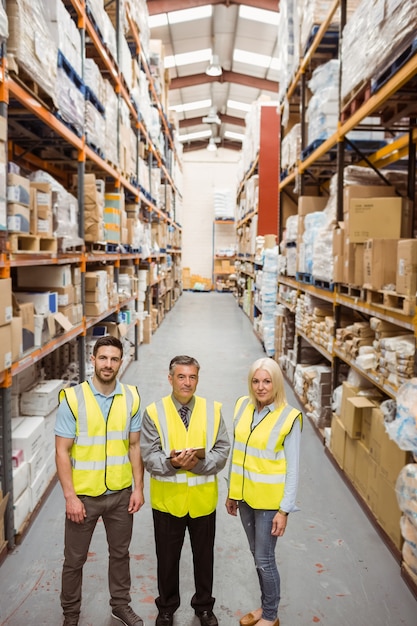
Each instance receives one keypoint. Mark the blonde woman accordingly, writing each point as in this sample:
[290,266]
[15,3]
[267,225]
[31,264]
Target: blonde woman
[263,476]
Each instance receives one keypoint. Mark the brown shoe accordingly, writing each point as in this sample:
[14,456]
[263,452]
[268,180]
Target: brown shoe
[249,620]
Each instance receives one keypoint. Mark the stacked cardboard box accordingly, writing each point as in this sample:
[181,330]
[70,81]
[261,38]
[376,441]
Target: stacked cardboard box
[370,459]
[6,314]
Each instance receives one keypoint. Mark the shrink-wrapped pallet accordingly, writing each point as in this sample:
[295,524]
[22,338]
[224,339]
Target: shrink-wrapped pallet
[112,107]
[70,99]
[373,38]
[30,45]
[4,24]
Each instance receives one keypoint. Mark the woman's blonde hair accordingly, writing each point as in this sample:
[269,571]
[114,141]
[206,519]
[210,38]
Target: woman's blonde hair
[274,370]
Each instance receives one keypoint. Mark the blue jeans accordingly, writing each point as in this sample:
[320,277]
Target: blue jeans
[258,524]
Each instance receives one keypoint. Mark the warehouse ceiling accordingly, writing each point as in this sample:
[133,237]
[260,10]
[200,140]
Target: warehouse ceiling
[244,37]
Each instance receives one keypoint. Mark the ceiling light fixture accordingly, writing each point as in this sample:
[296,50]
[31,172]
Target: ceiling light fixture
[212,117]
[214,68]
[211,146]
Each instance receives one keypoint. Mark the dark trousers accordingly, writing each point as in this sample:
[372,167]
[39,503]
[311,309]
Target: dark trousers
[169,539]
[113,509]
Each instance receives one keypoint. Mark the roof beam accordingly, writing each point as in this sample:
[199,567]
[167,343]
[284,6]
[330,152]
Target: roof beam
[227,77]
[156,7]
[201,145]
[225,119]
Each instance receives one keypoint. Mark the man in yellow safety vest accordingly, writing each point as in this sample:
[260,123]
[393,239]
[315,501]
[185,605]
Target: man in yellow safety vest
[184,445]
[97,434]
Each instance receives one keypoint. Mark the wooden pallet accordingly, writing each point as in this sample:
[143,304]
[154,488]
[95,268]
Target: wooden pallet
[26,80]
[355,99]
[352,291]
[32,244]
[392,301]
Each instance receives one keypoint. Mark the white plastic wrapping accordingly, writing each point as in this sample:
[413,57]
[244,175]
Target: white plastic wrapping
[403,429]
[70,101]
[406,489]
[289,48]
[30,44]
[4,24]
[373,37]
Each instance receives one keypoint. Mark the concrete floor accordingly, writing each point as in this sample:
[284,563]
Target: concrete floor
[335,569]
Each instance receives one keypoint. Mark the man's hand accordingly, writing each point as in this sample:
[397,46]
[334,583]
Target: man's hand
[186,459]
[137,500]
[75,510]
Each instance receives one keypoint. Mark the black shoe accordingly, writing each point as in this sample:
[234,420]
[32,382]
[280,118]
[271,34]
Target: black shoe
[164,619]
[207,618]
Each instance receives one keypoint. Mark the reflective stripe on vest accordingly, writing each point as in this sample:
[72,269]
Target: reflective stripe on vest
[184,492]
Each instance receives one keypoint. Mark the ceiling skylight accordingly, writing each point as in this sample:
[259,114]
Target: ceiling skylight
[239,106]
[229,134]
[191,106]
[186,58]
[202,134]
[259,15]
[176,17]
[253,58]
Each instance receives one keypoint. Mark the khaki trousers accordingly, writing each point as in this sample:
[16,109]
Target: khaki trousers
[113,509]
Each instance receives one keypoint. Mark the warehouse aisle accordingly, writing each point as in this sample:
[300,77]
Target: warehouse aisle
[335,569]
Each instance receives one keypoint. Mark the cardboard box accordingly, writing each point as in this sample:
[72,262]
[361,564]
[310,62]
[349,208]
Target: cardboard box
[45,276]
[147,330]
[379,263]
[16,329]
[18,189]
[3,506]
[20,479]
[353,263]
[351,192]
[37,488]
[348,391]
[377,434]
[350,458]
[366,429]
[41,399]
[406,275]
[37,462]
[18,218]
[352,415]
[96,280]
[92,309]
[387,511]
[42,199]
[385,452]
[29,436]
[362,464]
[311,204]
[5,347]
[337,440]
[21,509]
[372,489]
[373,218]
[6,310]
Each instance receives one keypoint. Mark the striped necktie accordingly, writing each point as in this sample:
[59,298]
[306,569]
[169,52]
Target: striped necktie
[183,411]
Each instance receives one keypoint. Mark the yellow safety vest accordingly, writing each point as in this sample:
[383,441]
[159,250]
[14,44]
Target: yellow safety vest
[258,467]
[99,454]
[184,492]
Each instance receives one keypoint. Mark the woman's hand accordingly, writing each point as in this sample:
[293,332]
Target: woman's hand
[279,524]
[231,506]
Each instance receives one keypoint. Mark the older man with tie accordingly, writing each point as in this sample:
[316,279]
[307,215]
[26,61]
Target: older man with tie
[184,446]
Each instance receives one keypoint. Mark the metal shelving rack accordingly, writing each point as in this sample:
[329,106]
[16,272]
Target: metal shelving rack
[403,146]
[12,90]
